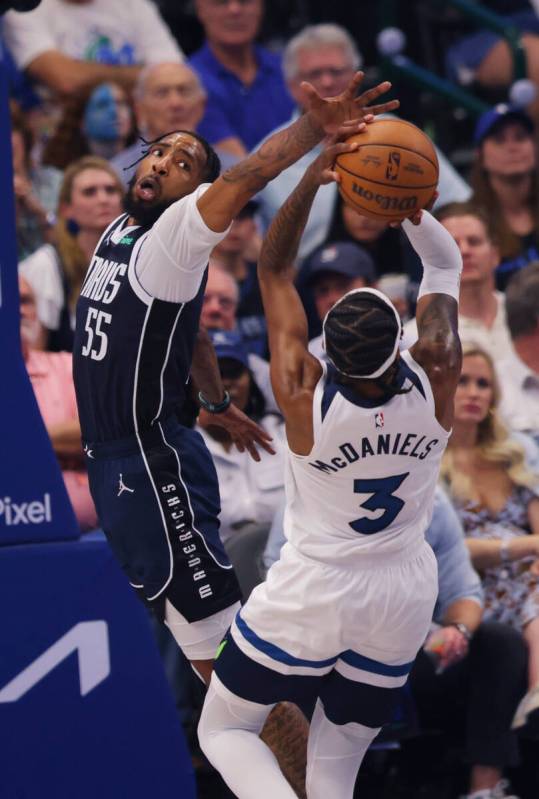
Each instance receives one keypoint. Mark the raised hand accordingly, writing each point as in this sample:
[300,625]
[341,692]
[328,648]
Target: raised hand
[331,112]
[322,171]
[244,433]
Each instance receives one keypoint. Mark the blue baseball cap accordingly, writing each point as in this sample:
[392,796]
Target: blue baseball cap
[229,344]
[344,258]
[494,117]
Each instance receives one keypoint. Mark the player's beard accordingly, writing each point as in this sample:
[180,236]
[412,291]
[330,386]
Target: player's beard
[146,215]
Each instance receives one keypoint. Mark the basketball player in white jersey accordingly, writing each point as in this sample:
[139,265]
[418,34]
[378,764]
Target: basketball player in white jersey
[344,611]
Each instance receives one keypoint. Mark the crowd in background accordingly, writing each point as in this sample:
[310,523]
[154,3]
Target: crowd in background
[92,83]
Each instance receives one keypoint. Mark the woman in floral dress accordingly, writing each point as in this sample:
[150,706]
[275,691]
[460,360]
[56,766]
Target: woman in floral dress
[496,495]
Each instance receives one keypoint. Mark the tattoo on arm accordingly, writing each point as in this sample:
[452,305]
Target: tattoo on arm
[275,154]
[281,242]
[438,332]
[439,320]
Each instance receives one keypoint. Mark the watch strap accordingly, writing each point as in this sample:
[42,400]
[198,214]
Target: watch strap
[215,407]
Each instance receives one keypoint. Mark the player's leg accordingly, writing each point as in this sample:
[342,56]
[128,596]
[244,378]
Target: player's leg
[198,636]
[353,706]
[246,685]
[229,735]
[334,754]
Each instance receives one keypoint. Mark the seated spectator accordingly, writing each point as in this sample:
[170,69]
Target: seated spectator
[482,317]
[505,182]
[68,44]
[35,188]
[90,198]
[333,271]
[52,380]
[168,96]
[219,306]
[520,397]
[464,663]
[247,95]
[496,496]
[250,492]
[237,253]
[327,56]
[97,121]
[485,58]
[388,247]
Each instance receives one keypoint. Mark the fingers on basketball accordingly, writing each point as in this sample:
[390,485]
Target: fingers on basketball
[392,174]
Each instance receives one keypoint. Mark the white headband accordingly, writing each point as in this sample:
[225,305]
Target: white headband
[381,369]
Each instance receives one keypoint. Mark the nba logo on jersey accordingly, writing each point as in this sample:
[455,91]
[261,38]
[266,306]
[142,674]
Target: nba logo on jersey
[379,420]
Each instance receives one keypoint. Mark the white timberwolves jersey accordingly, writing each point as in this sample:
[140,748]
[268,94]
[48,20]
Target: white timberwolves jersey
[368,483]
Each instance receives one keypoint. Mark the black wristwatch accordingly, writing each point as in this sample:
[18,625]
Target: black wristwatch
[463,630]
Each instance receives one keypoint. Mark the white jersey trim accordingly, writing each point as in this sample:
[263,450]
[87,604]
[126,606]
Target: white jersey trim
[134,282]
[165,362]
[210,553]
[141,447]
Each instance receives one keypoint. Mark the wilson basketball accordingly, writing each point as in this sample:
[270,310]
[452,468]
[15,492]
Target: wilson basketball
[393,173]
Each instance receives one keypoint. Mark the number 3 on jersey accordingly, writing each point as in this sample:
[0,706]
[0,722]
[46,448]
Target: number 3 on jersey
[94,320]
[382,498]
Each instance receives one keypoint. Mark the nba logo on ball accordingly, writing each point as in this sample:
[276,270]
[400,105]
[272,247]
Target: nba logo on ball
[379,420]
[393,165]
[392,173]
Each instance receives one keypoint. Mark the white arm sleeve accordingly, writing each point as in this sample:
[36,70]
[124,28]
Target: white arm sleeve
[440,256]
[172,259]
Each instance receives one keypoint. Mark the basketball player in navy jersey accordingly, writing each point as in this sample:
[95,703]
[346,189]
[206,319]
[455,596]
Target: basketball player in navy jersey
[344,611]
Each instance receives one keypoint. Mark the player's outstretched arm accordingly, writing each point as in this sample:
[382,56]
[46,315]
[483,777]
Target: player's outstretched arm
[245,433]
[294,371]
[227,196]
[438,348]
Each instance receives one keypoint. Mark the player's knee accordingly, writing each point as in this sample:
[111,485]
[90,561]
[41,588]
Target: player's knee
[209,730]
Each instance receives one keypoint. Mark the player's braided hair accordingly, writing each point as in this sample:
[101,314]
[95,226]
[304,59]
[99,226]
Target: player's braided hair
[360,333]
[213,162]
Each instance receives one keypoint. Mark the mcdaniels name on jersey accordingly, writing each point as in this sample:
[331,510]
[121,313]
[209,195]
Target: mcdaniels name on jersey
[410,445]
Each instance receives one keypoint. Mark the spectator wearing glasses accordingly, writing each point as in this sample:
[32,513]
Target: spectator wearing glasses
[326,56]
[247,95]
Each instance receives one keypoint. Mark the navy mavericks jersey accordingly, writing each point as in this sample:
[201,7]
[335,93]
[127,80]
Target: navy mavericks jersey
[132,352]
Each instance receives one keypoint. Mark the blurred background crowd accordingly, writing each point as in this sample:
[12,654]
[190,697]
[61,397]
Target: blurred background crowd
[93,81]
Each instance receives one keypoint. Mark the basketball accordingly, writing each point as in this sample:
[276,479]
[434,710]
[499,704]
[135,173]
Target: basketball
[392,174]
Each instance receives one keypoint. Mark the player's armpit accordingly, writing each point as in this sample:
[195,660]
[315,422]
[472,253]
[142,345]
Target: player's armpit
[438,350]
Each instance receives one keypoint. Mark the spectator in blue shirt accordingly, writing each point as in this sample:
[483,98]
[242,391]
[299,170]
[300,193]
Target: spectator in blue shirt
[247,95]
[326,56]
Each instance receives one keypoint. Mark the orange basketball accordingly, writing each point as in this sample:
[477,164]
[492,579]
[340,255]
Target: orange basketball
[393,173]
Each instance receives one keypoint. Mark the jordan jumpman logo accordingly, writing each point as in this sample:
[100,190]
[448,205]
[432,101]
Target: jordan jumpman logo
[122,487]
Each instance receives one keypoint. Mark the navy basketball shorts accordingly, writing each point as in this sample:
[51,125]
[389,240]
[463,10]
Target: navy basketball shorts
[157,498]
